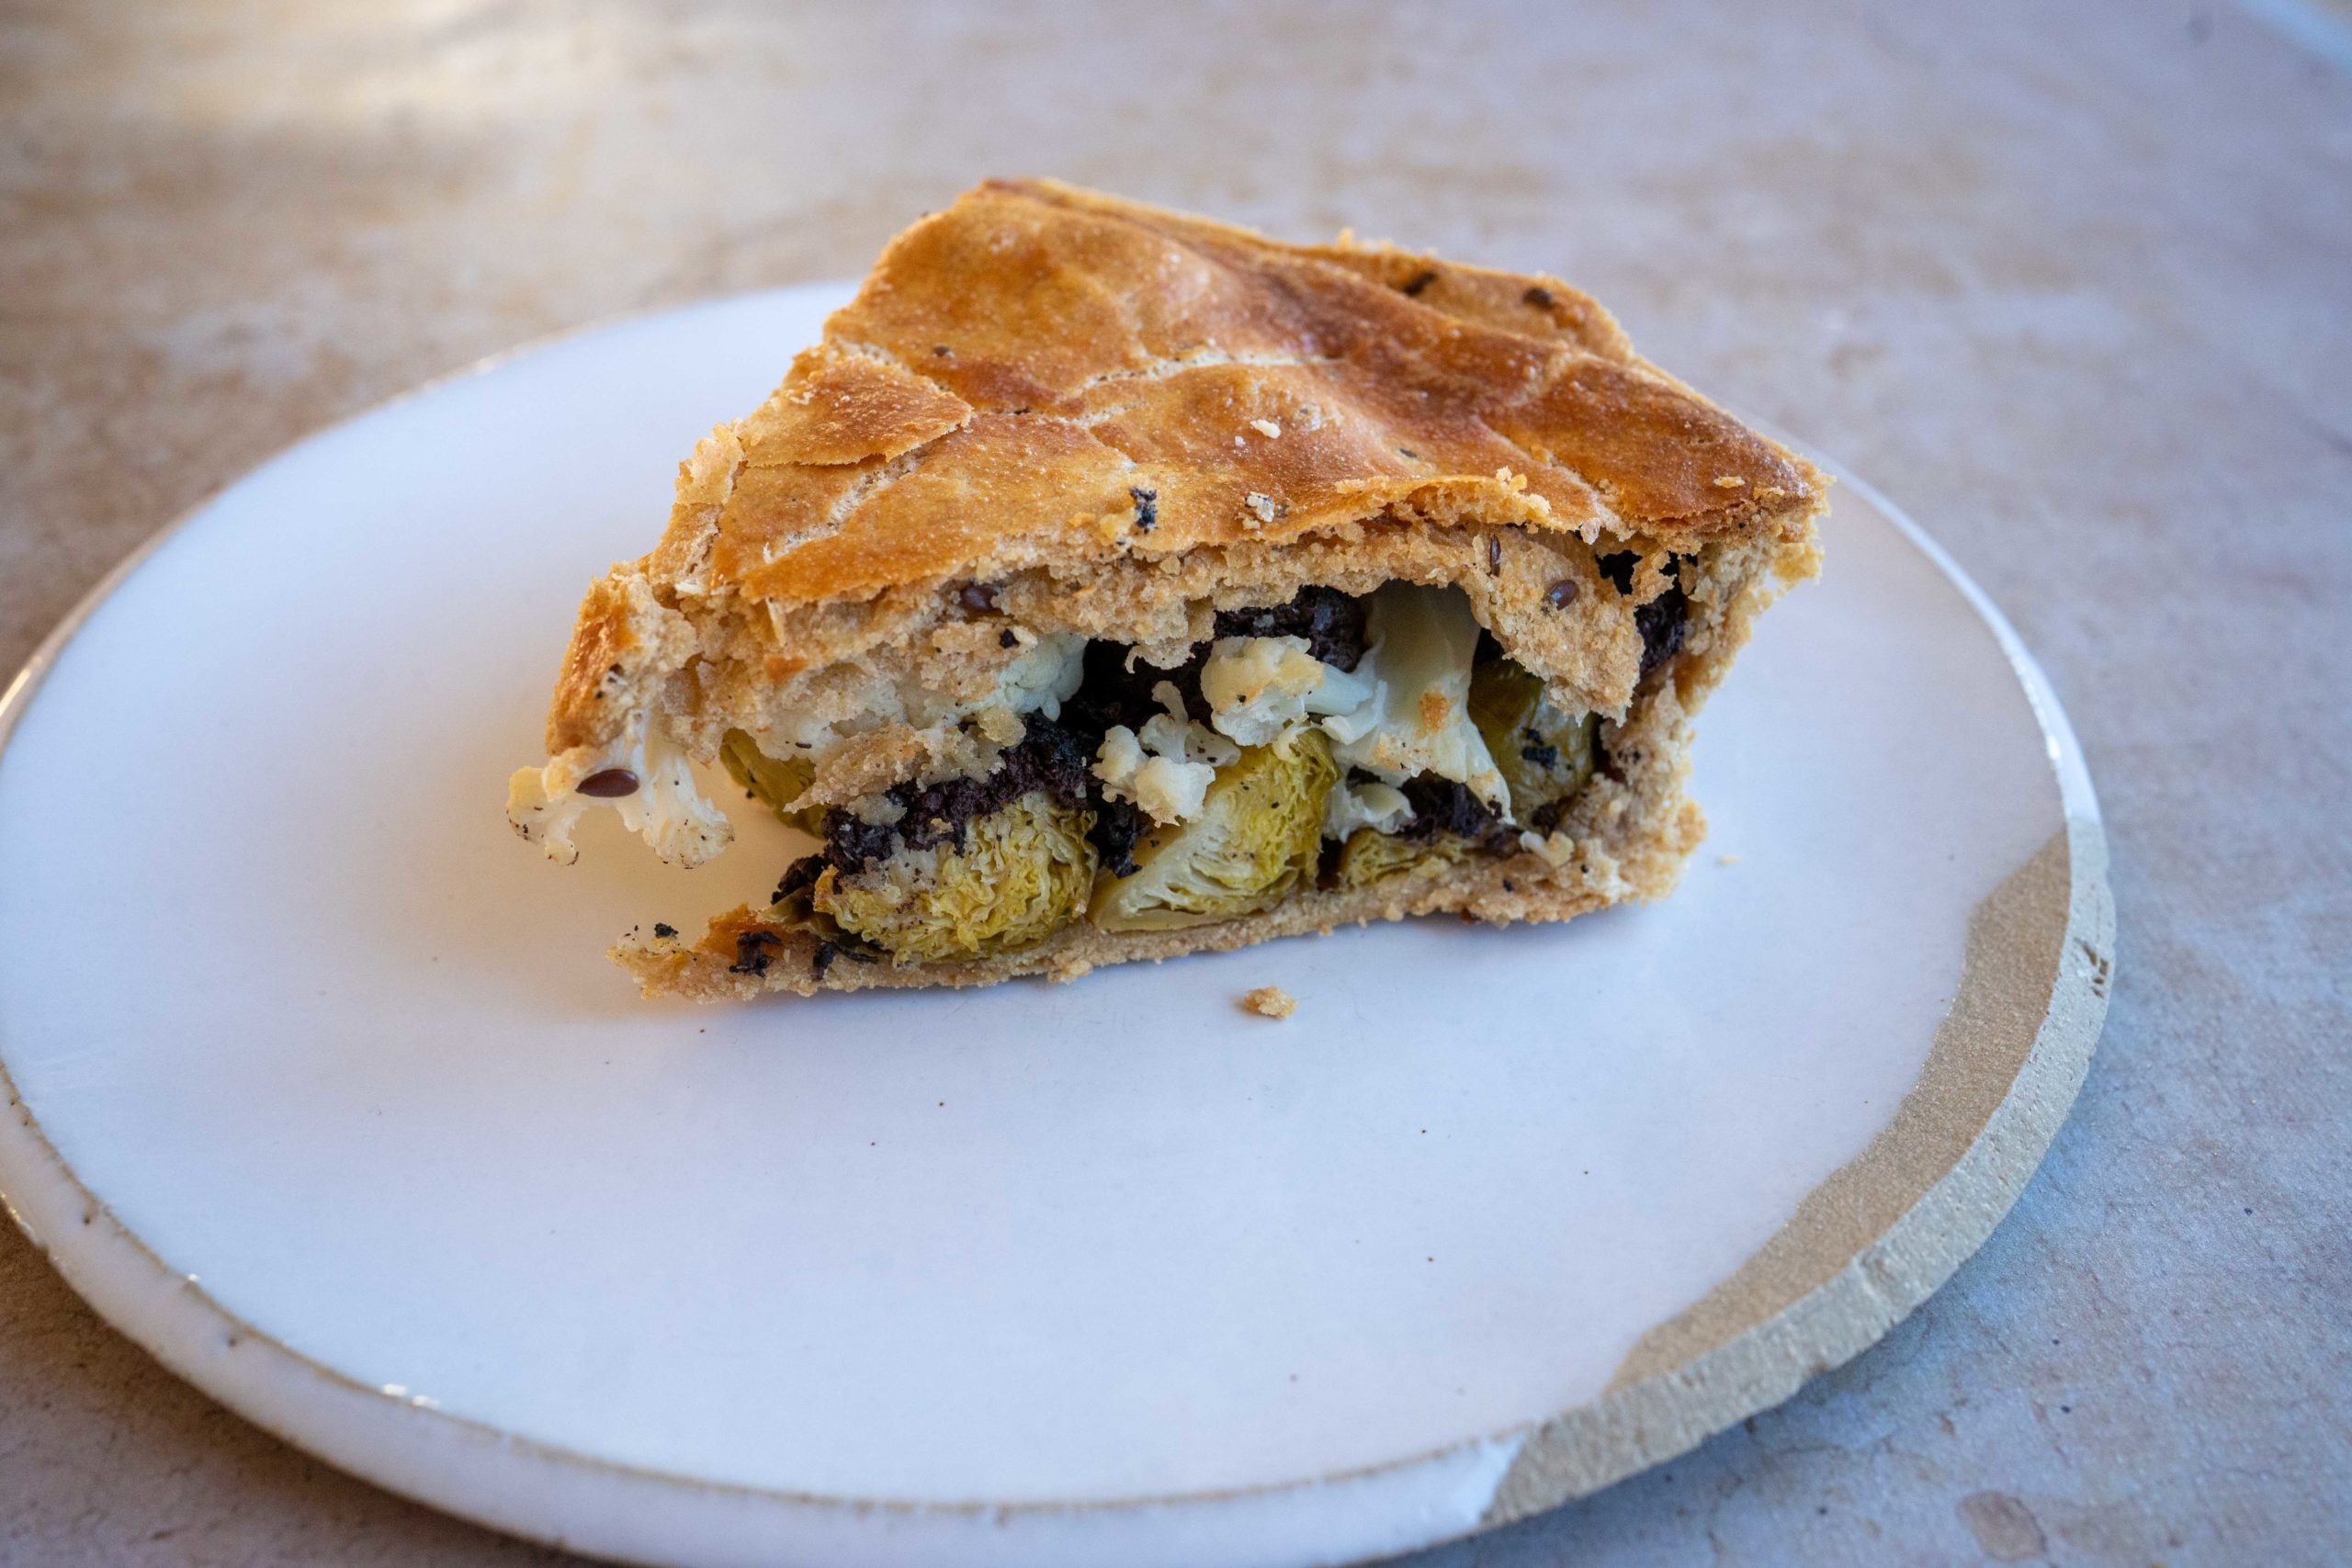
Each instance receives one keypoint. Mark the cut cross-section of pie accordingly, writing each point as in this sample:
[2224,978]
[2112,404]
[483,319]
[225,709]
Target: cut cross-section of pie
[1110,583]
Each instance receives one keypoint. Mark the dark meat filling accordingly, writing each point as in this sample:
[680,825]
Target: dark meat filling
[1444,808]
[1546,819]
[1118,826]
[754,951]
[801,874]
[1662,622]
[1110,694]
[1332,624]
[1052,757]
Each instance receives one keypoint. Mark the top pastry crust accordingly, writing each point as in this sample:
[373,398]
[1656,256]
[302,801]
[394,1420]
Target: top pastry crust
[1120,413]
[1036,352]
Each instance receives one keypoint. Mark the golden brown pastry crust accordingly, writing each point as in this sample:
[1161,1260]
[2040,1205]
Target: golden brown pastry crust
[1020,364]
[1053,412]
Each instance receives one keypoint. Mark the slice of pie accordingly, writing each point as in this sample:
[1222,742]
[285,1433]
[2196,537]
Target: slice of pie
[1112,584]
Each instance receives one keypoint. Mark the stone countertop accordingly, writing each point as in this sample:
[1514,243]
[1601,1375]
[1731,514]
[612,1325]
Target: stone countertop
[2071,284]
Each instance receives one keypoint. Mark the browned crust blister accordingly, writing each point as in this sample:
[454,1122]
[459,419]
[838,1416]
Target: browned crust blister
[1119,418]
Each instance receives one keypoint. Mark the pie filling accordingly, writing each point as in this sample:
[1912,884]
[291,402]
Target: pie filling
[1334,742]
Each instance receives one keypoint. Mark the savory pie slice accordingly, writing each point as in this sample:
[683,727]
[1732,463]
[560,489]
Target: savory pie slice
[1110,584]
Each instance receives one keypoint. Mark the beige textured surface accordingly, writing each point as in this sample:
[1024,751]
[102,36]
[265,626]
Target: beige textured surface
[2068,282]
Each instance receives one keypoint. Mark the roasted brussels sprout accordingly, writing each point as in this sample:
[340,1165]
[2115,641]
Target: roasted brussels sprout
[1021,872]
[1544,755]
[773,782]
[1371,855]
[1258,832]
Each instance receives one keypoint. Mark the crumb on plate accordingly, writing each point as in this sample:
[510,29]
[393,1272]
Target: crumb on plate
[1271,1001]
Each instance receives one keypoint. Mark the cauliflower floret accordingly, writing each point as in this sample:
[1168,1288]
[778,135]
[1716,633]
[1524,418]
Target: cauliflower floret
[1048,675]
[1376,806]
[1167,768]
[543,817]
[662,805]
[1168,791]
[1257,686]
[1415,716]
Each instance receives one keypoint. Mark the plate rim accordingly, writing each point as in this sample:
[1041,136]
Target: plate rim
[109,1266]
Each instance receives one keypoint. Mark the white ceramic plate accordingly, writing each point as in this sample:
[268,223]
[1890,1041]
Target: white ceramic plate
[326,1094]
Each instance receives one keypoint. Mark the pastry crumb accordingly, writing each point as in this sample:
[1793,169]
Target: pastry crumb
[1266,427]
[1271,1001]
[1726,859]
